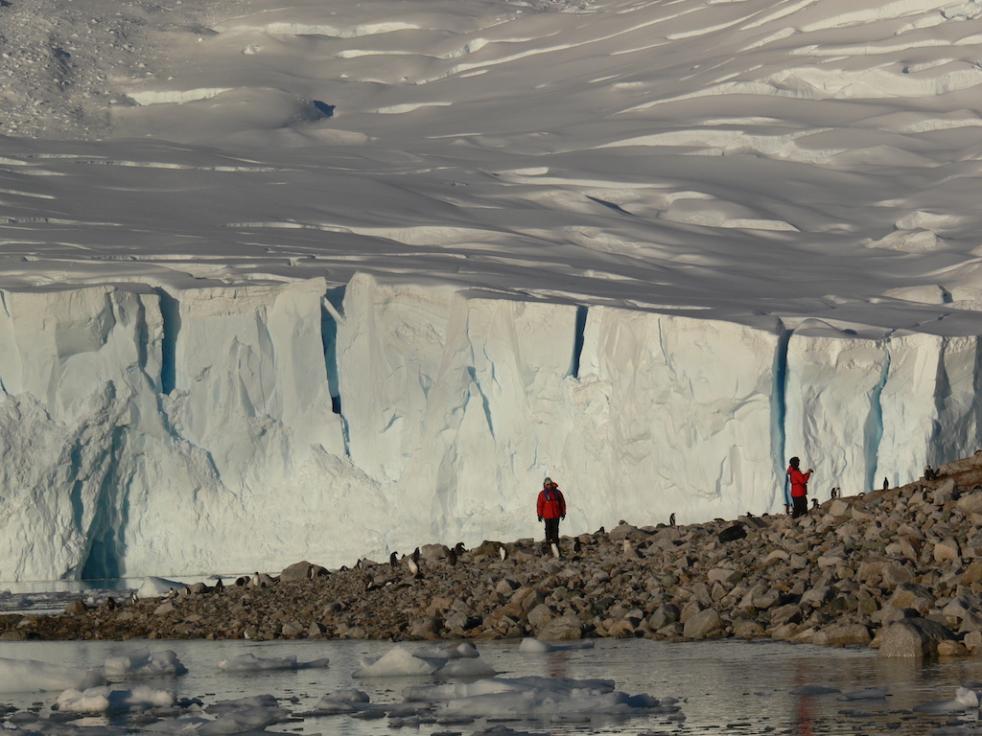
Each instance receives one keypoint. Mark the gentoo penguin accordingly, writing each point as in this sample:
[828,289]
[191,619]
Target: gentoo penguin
[413,567]
[241,581]
[886,484]
[814,503]
[452,557]
[576,545]
[415,555]
[255,579]
[219,586]
[111,603]
[749,515]
[554,548]
[502,553]
[133,597]
[394,559]
[459,548]
[671,519]
[600,532]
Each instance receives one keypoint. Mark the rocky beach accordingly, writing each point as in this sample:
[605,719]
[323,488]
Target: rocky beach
[897,569]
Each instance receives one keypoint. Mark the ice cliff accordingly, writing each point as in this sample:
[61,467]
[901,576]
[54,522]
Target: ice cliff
[231,428]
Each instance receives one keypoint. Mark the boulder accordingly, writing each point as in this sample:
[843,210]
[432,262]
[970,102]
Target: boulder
[971,503]
[564,628]
[539,616]
[703,625]
[946,551]
[434,552]
[913,638]
[723,575]
[842,635]
[838,509]
[732,533]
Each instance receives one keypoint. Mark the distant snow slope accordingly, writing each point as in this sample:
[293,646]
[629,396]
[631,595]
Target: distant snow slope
[349,263]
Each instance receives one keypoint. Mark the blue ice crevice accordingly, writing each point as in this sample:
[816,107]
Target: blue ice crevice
[779,405]
[873,429]
[332,310]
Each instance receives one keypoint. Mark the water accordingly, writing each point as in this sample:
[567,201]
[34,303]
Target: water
[728,687]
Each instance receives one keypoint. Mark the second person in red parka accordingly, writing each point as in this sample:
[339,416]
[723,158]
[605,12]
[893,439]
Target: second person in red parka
[551,507]
[799,487]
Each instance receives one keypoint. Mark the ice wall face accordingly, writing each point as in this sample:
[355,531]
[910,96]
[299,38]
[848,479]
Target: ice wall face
[195,431]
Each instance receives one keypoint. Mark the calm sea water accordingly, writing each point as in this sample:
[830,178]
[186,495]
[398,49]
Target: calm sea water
[728,687]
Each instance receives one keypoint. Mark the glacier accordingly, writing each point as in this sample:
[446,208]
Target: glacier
[449,408]
[650,248]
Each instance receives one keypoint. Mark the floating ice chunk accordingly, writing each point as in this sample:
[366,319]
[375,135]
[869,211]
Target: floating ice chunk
[466,668]
[26,675]
[109,700]
[156,587]
[252,663]
[462,660]
[349,695]
[342,701]
[465,650]
[534,646]
[243,714]
[867,693]
[815,690]
[144,664]
[965,699]
[538,697]
[399,662]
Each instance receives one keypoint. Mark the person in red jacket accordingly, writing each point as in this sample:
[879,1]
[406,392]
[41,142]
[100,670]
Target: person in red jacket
[799,487]
[551,507]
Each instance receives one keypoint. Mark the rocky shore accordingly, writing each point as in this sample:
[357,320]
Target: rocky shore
[897,569]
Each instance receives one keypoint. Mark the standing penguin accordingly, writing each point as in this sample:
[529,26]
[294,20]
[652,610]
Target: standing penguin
[502,553]
[814,503]
[394,559]
[452,557]
[415,555]
[886,484]
[671,519]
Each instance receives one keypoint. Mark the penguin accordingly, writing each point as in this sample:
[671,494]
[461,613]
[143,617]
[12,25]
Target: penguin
[459,548]
[502,553]
[370,586]
[600,532]
[814,503]
[886,484]
[413,567]
[576,545]
[394,559]
[671,519]
[555,550]
[255,579]
[749,515]
[133,597]
[415,555]
[111,603]
[219,586]
[452,557]
[343,568]
[241,581]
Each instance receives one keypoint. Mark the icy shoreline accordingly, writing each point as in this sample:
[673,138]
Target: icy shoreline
[899,570]
[142,428]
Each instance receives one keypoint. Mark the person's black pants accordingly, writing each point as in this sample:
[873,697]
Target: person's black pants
[800,504]
[552,531]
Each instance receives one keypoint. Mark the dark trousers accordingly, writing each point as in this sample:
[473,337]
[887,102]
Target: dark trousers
[800,504]
[552,531]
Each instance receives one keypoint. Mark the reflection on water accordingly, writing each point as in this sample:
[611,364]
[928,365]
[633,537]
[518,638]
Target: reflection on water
[727,687]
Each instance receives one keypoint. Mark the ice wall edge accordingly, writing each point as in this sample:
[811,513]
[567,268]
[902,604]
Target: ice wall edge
[225,429]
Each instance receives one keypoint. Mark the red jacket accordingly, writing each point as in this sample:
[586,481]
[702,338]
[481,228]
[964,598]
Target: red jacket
[799,482]
[551,504]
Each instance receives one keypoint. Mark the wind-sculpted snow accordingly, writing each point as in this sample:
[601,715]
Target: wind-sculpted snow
[319,279]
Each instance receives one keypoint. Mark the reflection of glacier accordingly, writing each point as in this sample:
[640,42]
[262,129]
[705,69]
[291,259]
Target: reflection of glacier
[243,427]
